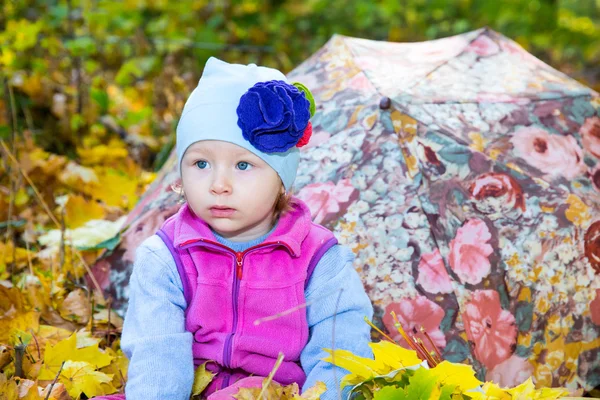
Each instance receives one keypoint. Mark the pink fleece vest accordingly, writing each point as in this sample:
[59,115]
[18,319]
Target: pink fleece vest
[227,291]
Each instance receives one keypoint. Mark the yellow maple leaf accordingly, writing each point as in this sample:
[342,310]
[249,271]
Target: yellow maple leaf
[495,392]
[115,188]
[79,210]
[390,356]
[117,368]
[202,379]
[461,375]
[81,377]
[8,388]
[523,391]
[360,368]
[66,350]
[20,321]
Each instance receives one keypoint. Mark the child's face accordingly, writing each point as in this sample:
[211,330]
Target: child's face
[230,188]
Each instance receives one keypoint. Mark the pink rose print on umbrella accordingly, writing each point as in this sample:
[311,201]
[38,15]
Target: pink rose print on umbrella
[492,329]
[554,155]
[433,276]
[324,199]
[511,372]
[595,308]
[590,135]
[469,251]
[496,192]
[412,314]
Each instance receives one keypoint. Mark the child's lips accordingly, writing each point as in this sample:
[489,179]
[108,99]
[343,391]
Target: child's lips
[221,212]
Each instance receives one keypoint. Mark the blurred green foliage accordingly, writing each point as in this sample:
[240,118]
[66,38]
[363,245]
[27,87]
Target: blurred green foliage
[84,50]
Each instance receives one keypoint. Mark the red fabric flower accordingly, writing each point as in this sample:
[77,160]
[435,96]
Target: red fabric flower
[306,137]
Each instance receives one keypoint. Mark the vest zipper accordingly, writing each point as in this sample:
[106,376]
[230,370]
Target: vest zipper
[237,277]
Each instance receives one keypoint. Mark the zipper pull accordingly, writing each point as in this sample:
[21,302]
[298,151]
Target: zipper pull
[239,257]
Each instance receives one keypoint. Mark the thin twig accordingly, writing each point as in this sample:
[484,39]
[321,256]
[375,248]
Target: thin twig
[61,248]
[372,325]
[54,382]
[11,114]
[291,310]
[269,378]
[28,255]
[50,214]
[37,345]
[30,182]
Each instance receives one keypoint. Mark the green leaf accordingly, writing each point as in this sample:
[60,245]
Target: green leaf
[308,95]
[81,46]
[101,98]
[422,385]
[447,391]
[390,393]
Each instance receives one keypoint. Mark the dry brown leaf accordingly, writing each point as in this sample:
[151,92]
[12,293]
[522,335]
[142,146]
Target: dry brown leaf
[5,356]
[76,307]
[58,392]
[51,317]
[101,318]
[313,393]
[28,390]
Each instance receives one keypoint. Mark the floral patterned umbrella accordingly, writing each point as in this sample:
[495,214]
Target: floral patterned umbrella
[463,172]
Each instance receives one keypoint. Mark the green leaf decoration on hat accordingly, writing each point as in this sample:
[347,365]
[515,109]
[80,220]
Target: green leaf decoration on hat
[308,95]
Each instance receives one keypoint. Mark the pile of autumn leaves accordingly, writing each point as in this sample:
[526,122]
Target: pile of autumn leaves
[398,374]
[41,361]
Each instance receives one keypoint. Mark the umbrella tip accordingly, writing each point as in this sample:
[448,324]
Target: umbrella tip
[385,103]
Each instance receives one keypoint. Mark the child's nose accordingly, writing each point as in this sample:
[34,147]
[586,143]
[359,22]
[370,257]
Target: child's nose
[220,185]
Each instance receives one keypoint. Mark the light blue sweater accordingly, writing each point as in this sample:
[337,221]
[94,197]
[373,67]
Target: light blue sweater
[160,349]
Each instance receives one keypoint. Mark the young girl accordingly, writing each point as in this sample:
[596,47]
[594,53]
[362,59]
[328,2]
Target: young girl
[241,249]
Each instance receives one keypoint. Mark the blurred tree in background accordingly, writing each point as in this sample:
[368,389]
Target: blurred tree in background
[80,59]
[90,90]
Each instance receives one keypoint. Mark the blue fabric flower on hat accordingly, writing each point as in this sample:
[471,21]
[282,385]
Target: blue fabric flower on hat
[273,116]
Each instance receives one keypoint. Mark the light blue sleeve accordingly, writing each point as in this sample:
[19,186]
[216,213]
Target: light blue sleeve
[154,337]
[335,274]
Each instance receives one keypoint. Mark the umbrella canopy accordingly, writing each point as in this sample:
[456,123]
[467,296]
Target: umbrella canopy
[463,173]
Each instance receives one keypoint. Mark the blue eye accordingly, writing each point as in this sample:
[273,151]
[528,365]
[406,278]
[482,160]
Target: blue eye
[201,164]
[243,165]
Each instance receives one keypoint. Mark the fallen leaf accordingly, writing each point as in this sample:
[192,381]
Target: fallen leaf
[5,356]
[81,377]
[202,378]
[28,390]
[76,307]
[79,210]
[66,350]
[58,392]
[313,393]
